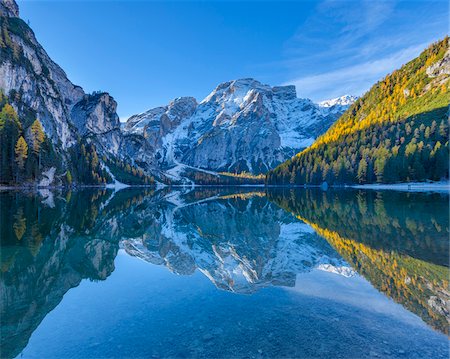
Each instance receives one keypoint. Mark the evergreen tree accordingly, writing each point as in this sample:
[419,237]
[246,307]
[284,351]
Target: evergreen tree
[10,129]
[37,136]
[69,177]
[362,171]
[37,139]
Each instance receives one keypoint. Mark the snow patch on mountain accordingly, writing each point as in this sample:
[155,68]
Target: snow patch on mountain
[345,100]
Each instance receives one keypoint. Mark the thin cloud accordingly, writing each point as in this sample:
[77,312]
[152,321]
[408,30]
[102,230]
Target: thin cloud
[346,46]
[355,79]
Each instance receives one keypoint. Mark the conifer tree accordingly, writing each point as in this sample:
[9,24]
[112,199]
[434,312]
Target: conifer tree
[362,171]
[9,132]
[21,151]
[37,138]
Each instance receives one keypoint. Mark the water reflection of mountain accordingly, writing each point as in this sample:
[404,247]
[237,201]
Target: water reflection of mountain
[46,250]
[48,245]
[238,239]
[240,242]
[398,241]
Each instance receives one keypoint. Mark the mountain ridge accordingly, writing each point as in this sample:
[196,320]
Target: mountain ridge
[259,124]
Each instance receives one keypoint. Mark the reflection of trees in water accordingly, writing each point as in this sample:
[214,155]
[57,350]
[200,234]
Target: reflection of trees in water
[48,250]
[398,241]
[414,224]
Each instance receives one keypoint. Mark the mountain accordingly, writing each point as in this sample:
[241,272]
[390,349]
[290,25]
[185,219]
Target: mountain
[53,133]
[396,132]
[79,133]
[342,103]
[241,126]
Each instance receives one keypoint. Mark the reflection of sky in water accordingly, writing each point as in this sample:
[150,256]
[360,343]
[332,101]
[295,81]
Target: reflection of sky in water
[143,310]
[354,291]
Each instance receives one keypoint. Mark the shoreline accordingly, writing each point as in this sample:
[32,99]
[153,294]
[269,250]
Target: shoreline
[404,186]
[407,186]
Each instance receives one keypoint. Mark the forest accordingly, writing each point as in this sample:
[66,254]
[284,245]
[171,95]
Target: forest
[206,178]
[397,132]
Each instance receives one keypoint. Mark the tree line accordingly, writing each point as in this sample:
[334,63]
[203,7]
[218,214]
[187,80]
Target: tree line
[414,150]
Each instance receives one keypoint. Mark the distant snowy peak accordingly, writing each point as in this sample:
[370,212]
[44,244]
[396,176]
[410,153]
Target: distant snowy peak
[345,100]
[236,89]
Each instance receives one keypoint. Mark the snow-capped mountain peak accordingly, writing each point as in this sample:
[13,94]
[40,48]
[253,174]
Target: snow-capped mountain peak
[242,125]
[345,100]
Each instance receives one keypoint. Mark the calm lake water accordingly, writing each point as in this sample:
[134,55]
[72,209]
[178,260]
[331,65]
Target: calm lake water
[224,273]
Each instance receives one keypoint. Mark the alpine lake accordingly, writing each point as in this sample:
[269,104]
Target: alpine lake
[224,272]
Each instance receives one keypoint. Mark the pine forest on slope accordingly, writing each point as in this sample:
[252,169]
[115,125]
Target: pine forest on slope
[396,132]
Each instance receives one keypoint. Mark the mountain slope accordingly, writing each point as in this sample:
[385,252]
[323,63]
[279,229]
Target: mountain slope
[38,89]
[241,126]
[398,131]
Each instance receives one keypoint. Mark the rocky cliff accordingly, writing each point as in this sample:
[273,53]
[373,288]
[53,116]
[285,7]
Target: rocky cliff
[39,89]
[9,8]
[242,125]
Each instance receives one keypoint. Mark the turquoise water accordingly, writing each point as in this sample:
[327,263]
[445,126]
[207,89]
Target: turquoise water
[224,273]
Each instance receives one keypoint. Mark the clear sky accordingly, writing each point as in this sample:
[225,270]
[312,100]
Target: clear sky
[145,53]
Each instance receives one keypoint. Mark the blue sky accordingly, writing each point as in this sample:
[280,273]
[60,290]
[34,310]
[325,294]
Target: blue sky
[145,53]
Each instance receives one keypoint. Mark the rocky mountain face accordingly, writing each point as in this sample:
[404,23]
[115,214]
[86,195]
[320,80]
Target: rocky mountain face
[39,89]
[9,8]
[42,90]
[242,125]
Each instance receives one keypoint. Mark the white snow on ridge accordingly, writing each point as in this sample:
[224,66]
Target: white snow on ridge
[345,271]
[345,100]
